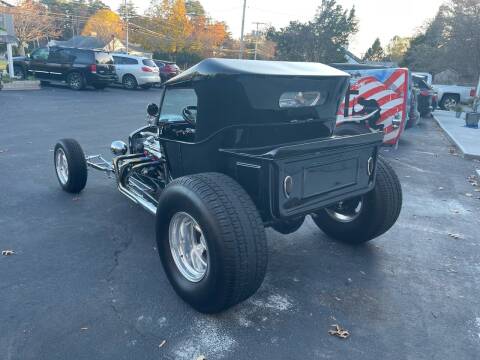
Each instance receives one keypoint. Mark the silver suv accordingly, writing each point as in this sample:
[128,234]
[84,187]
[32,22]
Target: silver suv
[134,71]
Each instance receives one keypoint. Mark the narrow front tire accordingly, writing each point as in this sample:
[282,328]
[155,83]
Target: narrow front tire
[70,165]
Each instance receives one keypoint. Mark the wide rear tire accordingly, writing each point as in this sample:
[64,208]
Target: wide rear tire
[70,165]
[229,233]
[377,212]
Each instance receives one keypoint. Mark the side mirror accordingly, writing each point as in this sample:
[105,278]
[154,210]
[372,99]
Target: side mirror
[152,109]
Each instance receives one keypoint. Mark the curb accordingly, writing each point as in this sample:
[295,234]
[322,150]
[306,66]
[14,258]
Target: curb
[464,154]
[22,85]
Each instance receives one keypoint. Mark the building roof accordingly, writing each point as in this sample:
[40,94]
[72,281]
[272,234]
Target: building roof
[4,3]
[215,66]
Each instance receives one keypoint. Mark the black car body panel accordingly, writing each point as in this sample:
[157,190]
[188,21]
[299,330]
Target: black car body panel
[56,63]
[244,130]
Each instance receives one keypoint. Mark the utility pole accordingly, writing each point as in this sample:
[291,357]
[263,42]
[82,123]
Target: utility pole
[126,17]
[240,56]
[256,38]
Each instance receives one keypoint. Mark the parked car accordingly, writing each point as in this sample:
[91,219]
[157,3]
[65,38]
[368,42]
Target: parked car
[236,146]
[134,71]
[377,99]
[168,69]
[76,67]
[451,95]
[426,98]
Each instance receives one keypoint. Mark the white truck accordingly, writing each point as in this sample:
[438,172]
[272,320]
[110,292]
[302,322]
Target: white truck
[451,95]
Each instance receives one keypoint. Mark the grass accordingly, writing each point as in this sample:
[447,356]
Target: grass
[3,65]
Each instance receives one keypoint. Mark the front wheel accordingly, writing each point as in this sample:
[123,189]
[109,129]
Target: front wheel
[366,217]
[19,73]
[70,165]
[211,241]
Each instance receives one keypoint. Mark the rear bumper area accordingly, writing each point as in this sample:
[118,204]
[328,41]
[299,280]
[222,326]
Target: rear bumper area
[298,179]
[101,79]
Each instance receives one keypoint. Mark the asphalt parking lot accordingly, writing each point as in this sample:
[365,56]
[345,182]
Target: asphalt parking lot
[86,281]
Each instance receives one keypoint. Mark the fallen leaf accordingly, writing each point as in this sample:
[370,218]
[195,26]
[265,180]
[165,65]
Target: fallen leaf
[201,357]
[468,194]
[162,343]
[455,236]
[339,331]
[440,188]
[337,298]
[84,328]
[8,252]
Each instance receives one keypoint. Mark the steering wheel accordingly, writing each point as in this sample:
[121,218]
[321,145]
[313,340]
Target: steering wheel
[189,114]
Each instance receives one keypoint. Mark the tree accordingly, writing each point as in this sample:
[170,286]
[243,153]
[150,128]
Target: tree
[428,48]
[194,8]
[129,10]
[32,22]
[75,12]
[104,24]
[179,26]
[321,39]
[397,48]
[375,52]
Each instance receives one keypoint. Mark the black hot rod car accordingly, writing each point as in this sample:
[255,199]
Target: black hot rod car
[236,146]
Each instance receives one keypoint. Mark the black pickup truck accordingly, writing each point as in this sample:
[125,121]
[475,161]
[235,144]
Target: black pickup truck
[76,67]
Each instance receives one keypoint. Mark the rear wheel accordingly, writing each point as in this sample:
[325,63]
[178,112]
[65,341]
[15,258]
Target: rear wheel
[211,241]
[449,102]
[75,81]
[129,82]
[70,165]
[366,217]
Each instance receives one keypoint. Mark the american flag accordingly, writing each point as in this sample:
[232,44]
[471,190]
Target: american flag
[389,87]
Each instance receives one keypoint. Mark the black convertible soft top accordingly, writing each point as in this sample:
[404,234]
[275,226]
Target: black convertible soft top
[214,67]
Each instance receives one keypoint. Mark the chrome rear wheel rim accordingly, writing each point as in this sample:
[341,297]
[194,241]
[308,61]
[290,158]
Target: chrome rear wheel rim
[346,211]
[61,166]
[188,246]
[450,104]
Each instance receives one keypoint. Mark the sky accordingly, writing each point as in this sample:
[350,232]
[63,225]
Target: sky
[378,18]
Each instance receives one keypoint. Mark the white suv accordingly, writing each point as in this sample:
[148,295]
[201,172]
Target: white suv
[133,71]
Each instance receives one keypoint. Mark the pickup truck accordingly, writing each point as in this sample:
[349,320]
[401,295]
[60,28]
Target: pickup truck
[451,95]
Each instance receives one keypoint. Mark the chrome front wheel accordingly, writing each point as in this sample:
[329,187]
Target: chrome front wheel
[61,166]
[188,246]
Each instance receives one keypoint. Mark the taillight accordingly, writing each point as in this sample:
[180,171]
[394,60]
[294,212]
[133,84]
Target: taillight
[93,68]
[472,92]
[146,69]
[424,93]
